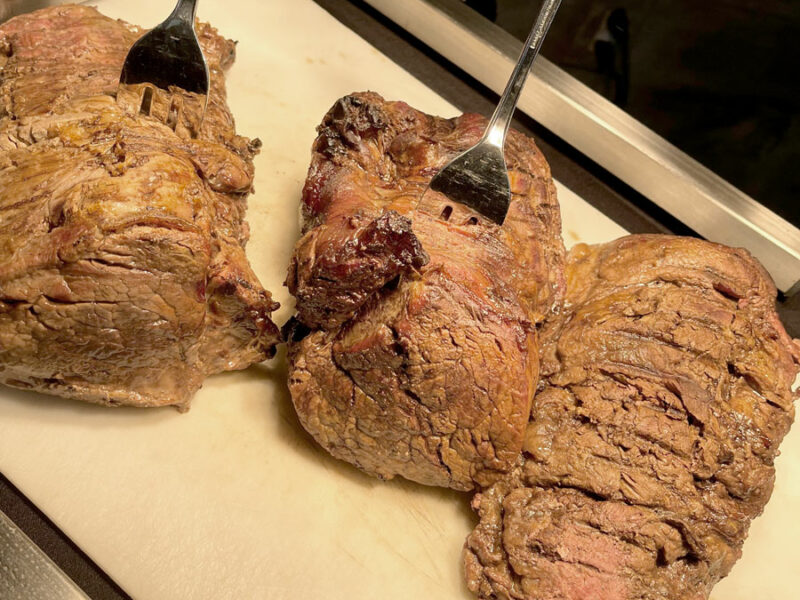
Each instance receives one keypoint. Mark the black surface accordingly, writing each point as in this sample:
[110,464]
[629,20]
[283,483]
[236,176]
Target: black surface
[71,559]
[717,79]
[789,312]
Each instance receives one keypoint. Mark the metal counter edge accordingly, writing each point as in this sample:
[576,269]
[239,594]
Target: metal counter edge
[27,573]
[606,134]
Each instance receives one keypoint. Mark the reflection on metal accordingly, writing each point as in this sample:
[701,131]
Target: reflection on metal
[26,573]
[594,126]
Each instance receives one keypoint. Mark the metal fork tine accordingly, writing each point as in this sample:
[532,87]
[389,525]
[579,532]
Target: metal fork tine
[450,212]
[477,179]
[146,104]
[164,70]
[174,112]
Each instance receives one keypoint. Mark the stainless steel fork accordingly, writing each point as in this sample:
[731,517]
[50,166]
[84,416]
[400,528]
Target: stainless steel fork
[165,74]
[478,178]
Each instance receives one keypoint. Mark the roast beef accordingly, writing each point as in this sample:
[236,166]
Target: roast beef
[123,278]
[666,391]
[415,348]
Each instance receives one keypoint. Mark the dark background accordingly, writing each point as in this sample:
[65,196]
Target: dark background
[720,79]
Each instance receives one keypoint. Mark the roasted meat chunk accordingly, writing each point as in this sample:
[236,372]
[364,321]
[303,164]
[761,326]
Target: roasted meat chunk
[123,278]
[666,391]
[415,348]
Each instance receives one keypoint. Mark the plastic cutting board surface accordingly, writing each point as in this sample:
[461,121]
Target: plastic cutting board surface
[233,499]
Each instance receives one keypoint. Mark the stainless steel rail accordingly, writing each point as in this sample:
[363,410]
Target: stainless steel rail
[26,573]
[609,136]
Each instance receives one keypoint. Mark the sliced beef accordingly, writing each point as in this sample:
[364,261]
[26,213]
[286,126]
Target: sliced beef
[666,391]
[415,351]
[123,278]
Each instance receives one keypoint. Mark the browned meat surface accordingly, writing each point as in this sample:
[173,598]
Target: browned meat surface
[123,278]
[665,395]
[417,355]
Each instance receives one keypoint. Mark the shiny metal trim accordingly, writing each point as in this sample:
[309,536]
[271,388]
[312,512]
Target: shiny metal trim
[609,136]
[26,573]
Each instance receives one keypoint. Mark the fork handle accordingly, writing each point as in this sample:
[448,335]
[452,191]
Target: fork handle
[498,125]
[184,11]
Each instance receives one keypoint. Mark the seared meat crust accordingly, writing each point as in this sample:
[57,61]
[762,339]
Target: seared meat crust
[666,391]
[123,278]
[421,357]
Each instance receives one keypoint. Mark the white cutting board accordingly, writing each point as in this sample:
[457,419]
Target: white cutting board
[233,499]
